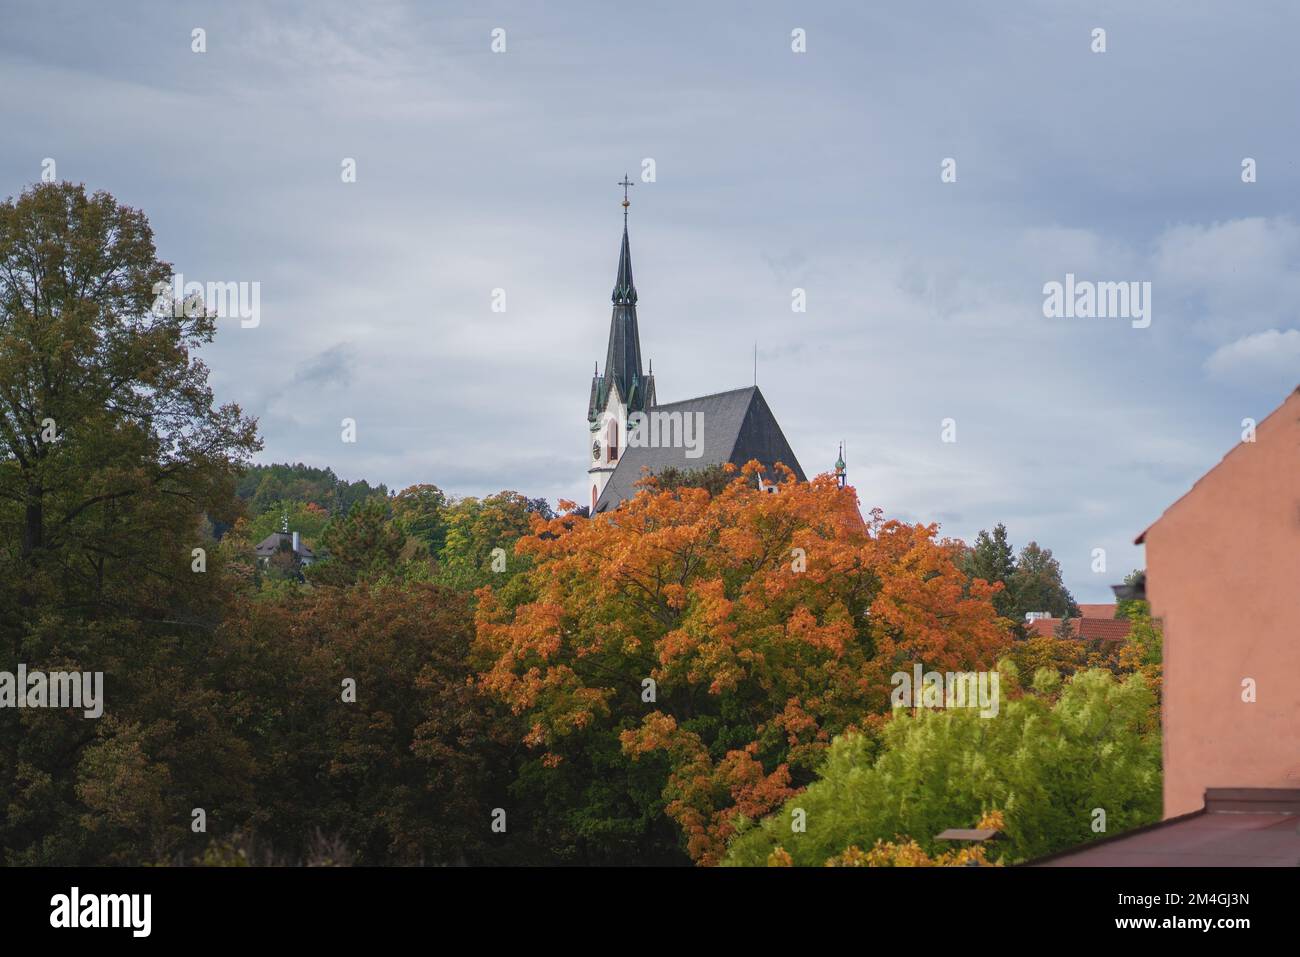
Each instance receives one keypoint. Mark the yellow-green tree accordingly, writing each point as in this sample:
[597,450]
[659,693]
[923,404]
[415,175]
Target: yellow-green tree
[1049,760]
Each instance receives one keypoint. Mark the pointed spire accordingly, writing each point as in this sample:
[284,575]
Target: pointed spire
[623,357]
[624,291]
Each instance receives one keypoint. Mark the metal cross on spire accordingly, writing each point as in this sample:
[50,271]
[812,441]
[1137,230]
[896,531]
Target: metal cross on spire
[625,183]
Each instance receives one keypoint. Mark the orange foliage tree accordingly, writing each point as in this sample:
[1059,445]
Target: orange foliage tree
[727,638]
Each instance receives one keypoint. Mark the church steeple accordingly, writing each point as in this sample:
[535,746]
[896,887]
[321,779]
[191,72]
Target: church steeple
[621,388]
[623,355]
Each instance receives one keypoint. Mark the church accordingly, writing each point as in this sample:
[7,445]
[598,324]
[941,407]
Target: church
[630,432]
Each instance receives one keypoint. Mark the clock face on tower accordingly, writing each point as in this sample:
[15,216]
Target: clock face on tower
[595,451]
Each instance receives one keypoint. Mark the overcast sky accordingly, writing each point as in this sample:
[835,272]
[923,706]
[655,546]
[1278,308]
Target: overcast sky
[774,170]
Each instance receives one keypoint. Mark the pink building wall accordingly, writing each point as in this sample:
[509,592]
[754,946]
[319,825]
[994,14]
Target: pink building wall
[1223,573]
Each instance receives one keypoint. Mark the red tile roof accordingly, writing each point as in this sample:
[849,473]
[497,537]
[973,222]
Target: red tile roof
[1088,629]
[1097,611]
[1103,629]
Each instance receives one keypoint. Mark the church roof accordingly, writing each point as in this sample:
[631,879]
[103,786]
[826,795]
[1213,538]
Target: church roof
[735,427]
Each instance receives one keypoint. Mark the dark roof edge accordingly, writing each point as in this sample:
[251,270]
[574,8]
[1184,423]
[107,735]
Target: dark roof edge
[1110,839]
[711,395]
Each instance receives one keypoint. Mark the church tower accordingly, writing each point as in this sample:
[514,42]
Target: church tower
[623,388]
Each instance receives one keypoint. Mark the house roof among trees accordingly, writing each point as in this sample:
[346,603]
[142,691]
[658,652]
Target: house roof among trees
[278,540]
[1097,611]
[1086,628]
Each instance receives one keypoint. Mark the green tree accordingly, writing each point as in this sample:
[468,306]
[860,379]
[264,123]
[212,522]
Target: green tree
[1037,585]
[421,512]
[262,486]
[364,544]
[106,418]
[713,478]
[364,728]
[992,559]
[1133,607]
[111,453]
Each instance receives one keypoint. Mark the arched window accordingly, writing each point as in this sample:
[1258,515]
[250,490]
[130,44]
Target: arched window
[612,441]
[593,500]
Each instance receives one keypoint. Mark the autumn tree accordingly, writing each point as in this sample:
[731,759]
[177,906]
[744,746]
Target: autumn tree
[1143,653]
[907,853]
[1062,655]
[707,648]
[476,528]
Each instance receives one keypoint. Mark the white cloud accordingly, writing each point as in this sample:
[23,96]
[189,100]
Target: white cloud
[478,171]
[1262,360]
[1231,278]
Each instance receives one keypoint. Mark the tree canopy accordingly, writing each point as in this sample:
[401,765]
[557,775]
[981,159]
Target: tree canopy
[1052,758]
[723,639]
[664,683]
[112,451]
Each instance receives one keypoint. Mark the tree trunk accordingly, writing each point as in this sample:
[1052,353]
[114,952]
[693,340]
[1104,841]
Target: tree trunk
[34,527]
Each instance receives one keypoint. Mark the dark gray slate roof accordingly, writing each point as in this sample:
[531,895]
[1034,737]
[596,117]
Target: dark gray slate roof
[736,426]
